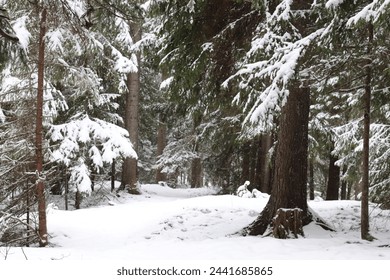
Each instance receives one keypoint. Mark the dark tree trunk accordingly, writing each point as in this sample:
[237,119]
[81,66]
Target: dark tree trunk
[130,170]
[290,177]
[66,189]
[113,171]
[252,160]
[77,200]
[42,225]
[245,164]
[343,193]
[311,179]
[259,163]
[265,168]
[196,164]
[93,181]
[332,191]
[196,173]
[366,139]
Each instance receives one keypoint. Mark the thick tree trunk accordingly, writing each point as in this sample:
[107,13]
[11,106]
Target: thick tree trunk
[332,191]
[289,185]
[366,139]
[130,170]
[42,225]
[290,177]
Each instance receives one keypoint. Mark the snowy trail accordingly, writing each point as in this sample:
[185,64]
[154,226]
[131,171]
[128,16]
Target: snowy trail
[185,224]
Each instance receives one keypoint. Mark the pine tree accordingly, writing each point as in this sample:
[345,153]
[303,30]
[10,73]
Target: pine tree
[278,65]
[363,18]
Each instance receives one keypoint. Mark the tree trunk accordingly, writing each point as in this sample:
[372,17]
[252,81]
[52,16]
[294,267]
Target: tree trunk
[196,164]
[265,169]
[130,170]
[161,143]
[366,139]
[252,162]
[42,225]
[245,163]
[290,177]
[311,179]
[77,199]
[349,191]
[343,193]
[287,223]
[66,189]
[332,191]
[113,171]
[196,173]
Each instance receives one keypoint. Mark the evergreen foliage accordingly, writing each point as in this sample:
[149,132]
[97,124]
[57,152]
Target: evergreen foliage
[216,73]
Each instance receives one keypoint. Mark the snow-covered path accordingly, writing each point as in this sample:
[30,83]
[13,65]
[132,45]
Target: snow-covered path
[165,223]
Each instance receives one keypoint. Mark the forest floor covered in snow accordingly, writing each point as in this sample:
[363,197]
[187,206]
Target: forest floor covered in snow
[195,224]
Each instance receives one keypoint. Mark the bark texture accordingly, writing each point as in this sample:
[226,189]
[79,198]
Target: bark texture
[287,223]
[290,177]
[130,170]
[332,191]
[42,224]
[366,138]
[196,173]
[311,179]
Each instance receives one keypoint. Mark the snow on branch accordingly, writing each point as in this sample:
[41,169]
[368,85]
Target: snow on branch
[371,12]
[106,141]
[80,177]
[276,71]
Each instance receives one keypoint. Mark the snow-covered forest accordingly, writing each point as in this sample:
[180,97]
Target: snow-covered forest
[195,124]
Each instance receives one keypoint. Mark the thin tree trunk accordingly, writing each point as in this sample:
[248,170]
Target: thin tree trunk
[92,181]
[42,224]
[311,179]
[66,189]
[366,139]
[27,192]
[130,170]
[196,164]
[77,200]
[113,169]
[259,163]
[245,164]
[343,193]
[253,157]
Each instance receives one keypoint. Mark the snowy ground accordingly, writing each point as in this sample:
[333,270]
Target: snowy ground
[195,224]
